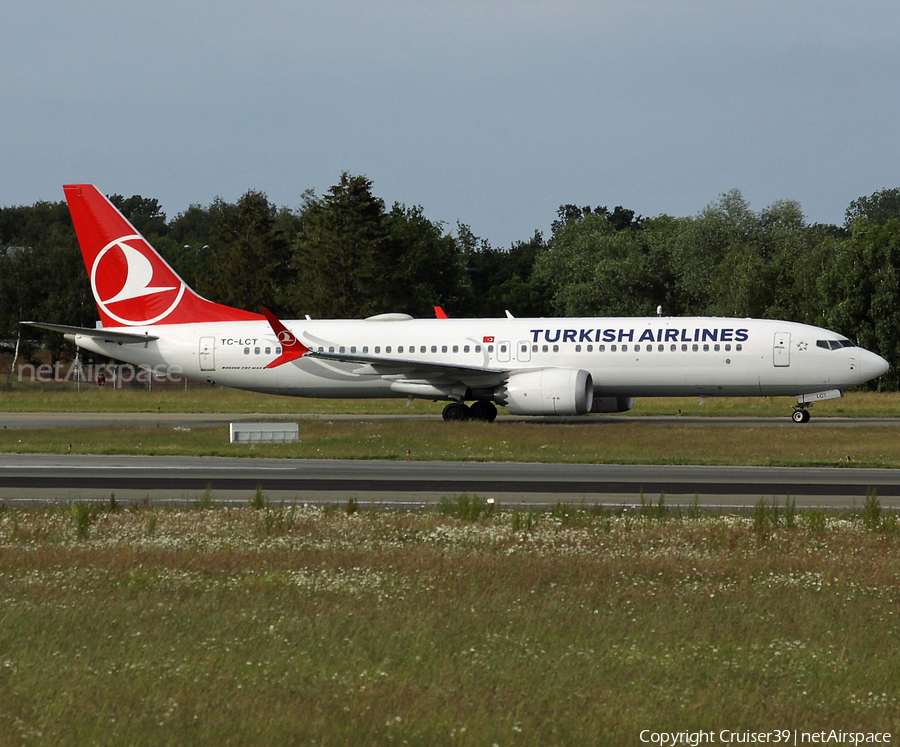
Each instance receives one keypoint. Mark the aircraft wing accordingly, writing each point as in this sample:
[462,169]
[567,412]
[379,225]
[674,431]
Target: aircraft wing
[96,333]
[401,369]
[413,369]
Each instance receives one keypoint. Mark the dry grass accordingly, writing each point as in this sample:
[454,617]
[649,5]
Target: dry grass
[297,625]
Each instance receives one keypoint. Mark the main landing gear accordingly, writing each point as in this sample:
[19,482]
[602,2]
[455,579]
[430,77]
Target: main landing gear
[479,410]
[801,413]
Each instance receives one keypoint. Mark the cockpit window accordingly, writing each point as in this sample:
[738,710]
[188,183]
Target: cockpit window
[835,344]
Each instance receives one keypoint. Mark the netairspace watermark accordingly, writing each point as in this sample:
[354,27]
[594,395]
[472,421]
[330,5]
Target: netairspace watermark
[123,374]
[778,736]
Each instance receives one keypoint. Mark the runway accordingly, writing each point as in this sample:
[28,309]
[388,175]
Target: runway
[54,478]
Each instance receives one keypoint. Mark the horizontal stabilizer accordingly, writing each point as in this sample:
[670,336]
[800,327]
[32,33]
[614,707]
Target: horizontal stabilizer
[96,333]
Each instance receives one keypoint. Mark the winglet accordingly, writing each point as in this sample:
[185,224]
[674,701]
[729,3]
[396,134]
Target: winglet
[291,347]
[440,313]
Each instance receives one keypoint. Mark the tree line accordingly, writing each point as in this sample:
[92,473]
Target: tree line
[345,254]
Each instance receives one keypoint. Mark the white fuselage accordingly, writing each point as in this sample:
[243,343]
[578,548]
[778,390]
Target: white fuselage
[667,356]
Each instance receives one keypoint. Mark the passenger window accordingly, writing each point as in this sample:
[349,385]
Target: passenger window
[456,348]
[624,348]
[727,348]
[716,348]
[387,349]
[673,347]
[556,348]
[738,347]
[612,348]
[684,348]
[590,348]
[601,348]
[661,348]
[443,348]
[246,351]
[465,348]
[695,347]
[268,351]
[277,351]
[478,348]
[377,349]
[578,348]
[256,351]
[545,349]
[342,349]
[365,348]
[331,349]
[637,348]
[706,348]
[422,349]
[353,348]
[434,348]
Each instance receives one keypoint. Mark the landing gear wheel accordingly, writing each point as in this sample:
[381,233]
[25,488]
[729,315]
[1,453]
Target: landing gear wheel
[483,410]
[801,416]
[456,411]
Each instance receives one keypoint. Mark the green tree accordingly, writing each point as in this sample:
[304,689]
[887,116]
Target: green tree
[42,274]
[503,279]
[879,208]
[342,253]
[862,288]
[247,263]
[701,244]
[144,213]
[428,264]
[591,269]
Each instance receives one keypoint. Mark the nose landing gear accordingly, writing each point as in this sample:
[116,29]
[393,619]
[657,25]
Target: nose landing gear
[801,414]
[805,401]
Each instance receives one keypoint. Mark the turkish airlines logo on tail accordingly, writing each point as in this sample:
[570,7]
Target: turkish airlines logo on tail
[132,285]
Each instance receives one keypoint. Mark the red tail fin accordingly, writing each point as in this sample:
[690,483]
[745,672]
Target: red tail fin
[132,284]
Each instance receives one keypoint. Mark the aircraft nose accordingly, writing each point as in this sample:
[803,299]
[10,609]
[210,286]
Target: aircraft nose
[872,365]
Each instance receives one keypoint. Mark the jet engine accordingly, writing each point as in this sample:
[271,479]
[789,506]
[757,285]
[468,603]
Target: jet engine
[548,391]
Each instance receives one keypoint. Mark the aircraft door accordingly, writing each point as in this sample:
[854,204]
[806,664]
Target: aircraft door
[207,353]
[523,351]
[781,350]
[503,351]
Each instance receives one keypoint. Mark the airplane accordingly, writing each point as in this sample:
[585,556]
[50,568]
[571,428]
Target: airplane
[150,318]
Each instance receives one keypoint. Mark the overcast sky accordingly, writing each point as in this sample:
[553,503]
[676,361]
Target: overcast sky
[490,112]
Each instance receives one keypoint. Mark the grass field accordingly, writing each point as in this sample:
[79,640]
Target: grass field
[468,625]
[64,398]
[295,625]
[611,439]
[610,442]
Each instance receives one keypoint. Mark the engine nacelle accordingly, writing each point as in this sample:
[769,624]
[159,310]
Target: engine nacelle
[549,391]
[612,404]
